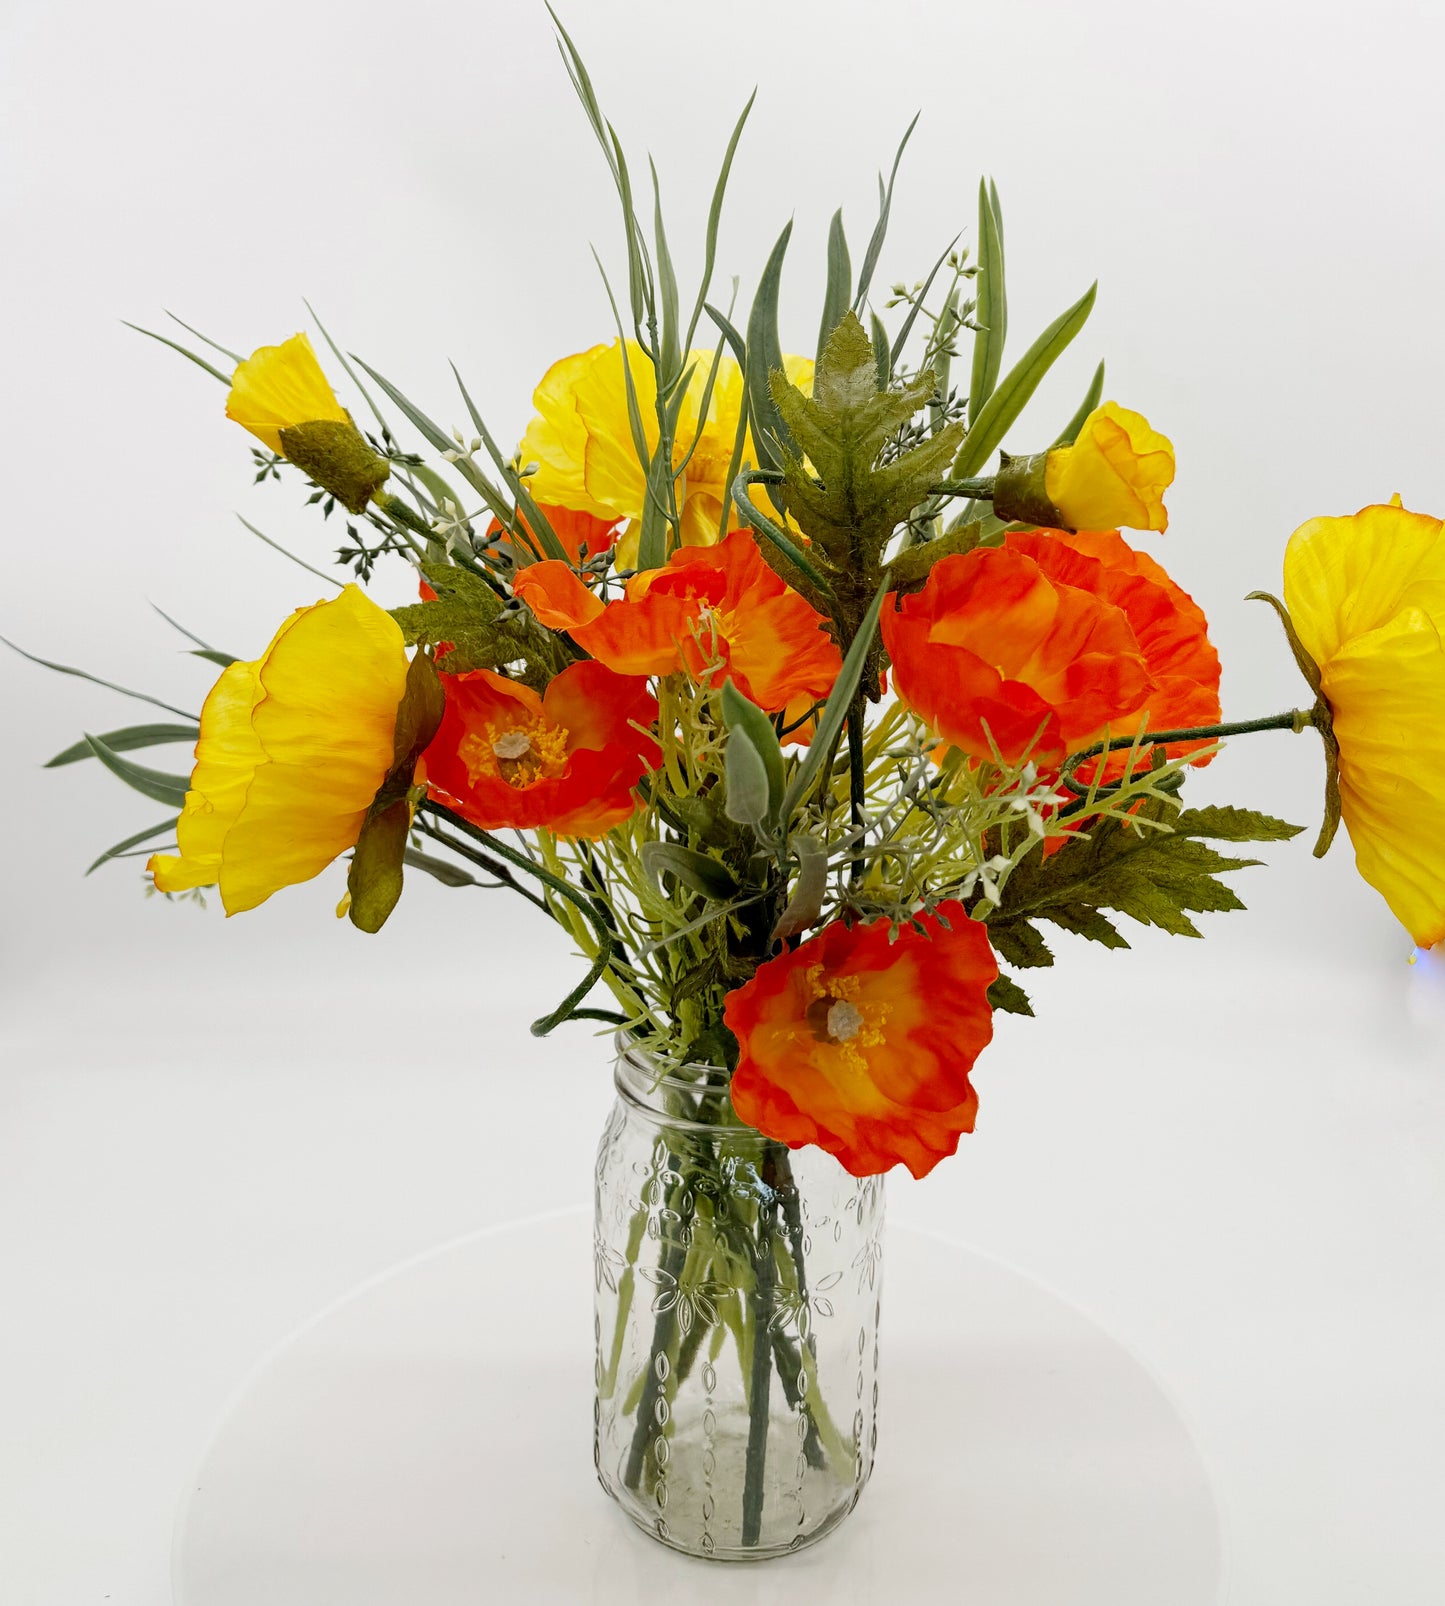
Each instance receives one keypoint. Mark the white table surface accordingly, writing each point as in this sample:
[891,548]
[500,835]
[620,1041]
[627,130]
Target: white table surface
[1257,1213]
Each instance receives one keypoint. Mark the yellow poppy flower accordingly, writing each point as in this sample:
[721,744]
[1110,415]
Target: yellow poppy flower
[587,460]
[281,395]
[1366,595]
[1114,475]
[292,751]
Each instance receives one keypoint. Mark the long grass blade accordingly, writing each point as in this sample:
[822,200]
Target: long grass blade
[121,849]
[880,229]
[320,574]
[200,362]
[991,310]
[1070,432]
[95,680]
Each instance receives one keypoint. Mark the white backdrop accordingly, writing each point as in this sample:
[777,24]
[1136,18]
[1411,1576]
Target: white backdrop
[211,1127]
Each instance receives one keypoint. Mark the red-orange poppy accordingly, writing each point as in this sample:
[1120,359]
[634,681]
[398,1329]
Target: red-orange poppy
[994,654]
[1170,627]
[864,1046]
[566,761]
[707,606]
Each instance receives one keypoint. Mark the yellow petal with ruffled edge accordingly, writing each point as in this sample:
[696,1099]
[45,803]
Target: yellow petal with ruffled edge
[282,387]
[1386,692]
[1114,475]
[581,438]
[1344,577]
[292,750]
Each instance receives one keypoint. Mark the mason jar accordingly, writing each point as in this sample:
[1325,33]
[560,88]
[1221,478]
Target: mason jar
[737,1300]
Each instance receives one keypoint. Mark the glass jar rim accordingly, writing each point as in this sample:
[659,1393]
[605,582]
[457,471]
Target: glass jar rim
[646,1085]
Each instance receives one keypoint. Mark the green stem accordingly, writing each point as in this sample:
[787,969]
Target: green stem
[762,1302]
[978,490]
[1295,719]
[606,947]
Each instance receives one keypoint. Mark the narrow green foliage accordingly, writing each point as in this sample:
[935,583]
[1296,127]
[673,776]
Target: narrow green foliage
[121,848]
[987,429]
[838,292]
[1154,866]
[95,680]
[125,740]
[477,628]
[991,312]
[1070,432]
[764,358]
[443,870]
[880,229]
[154,784]
[200,362]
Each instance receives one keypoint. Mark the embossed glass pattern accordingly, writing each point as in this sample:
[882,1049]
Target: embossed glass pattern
[737,1299]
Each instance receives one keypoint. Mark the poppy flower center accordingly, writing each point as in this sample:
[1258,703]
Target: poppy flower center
[520,754]
[840,1016]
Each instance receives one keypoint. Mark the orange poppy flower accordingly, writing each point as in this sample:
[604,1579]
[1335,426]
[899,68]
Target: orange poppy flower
[566,761]
[718,605]
[863,1046]
[1170,627]
[993,653]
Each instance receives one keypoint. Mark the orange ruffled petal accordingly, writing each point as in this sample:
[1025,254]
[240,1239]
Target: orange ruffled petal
[864,1046]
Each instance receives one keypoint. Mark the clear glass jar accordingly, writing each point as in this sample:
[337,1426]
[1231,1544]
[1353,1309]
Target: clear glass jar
[738,1287]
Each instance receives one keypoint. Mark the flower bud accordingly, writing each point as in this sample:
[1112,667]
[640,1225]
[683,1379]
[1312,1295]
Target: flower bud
[1112,476]
[281,395]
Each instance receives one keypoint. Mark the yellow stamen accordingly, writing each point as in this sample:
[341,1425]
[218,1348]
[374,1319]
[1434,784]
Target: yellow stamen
[519,754]
[840,1015]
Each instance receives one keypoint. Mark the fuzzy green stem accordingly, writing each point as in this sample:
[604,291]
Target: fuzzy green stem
[1295,719]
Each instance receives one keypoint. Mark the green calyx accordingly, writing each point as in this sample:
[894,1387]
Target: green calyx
[337,457]
[375,878]
[1019,495]
[1319,716]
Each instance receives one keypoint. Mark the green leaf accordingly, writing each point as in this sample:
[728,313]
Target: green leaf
[806,904]
[124,740]
[764,356]
[1225,824]
[200,362]
[741,714]
[141,836]
[991,309]
[671,354]
[882,358]
[838,294]
[714,217]
[835,710]
[449,874]
[154,784]
[698,871]
[211,655]
[880,229]
[749,794]
[1070,432]
[1020,945]
[276,546]
[989,427]
[1007,995]
[95,680]
[1153,867]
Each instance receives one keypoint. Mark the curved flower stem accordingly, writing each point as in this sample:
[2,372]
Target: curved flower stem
[1295,719]
[606,946]
[977,490]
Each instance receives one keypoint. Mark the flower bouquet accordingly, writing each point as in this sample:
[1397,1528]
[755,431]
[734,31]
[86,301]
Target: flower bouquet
[804,718]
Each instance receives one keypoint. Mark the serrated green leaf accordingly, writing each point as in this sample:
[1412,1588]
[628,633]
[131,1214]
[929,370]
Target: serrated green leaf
[1006,994]
[1019,944]
[126,740]
[1085,922]
[470,619]
[1223,823]
[120,849]
[154,784]
[991,309]
[988,429]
